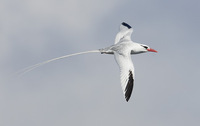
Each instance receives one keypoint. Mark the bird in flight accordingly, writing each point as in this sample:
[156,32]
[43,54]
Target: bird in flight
[122,49]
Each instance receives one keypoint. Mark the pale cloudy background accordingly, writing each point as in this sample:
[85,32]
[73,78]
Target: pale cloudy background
[85,90]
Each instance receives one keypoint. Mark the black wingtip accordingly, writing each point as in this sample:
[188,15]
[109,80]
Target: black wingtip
[126,25]
[129,87]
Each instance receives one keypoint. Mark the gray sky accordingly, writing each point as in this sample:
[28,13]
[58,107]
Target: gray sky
[85,90]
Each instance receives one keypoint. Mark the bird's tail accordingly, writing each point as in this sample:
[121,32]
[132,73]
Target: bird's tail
[30,68]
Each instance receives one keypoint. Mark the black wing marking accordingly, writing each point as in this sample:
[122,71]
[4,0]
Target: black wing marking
[129,86]
[126,25]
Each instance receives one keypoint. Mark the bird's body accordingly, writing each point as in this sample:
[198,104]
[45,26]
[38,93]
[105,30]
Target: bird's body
[122,49]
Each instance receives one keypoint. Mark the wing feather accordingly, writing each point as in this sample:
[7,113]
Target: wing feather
[124,33]
[129,86]
[126,73]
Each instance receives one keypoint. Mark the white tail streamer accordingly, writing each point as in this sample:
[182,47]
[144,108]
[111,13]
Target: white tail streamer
[30,68]
[122,50]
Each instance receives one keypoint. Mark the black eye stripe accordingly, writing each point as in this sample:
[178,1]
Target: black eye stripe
[145,47]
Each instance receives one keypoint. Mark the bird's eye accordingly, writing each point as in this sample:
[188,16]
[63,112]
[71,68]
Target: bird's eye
[145,47]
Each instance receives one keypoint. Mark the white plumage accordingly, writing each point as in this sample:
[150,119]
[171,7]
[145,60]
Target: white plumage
[126,73]
[122,49]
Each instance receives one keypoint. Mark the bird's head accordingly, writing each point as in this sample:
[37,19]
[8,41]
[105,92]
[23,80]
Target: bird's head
[147,48]
[141,48]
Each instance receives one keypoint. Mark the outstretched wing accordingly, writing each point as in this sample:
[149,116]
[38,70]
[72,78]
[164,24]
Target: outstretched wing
[126,74]
[124,33]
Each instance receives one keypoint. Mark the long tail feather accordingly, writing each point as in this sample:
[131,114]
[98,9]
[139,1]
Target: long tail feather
[30,68]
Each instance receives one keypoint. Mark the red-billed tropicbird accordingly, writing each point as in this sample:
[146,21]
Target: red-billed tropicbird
[122,50]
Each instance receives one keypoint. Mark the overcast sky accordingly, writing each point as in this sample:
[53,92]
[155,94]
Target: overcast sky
[85,90]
